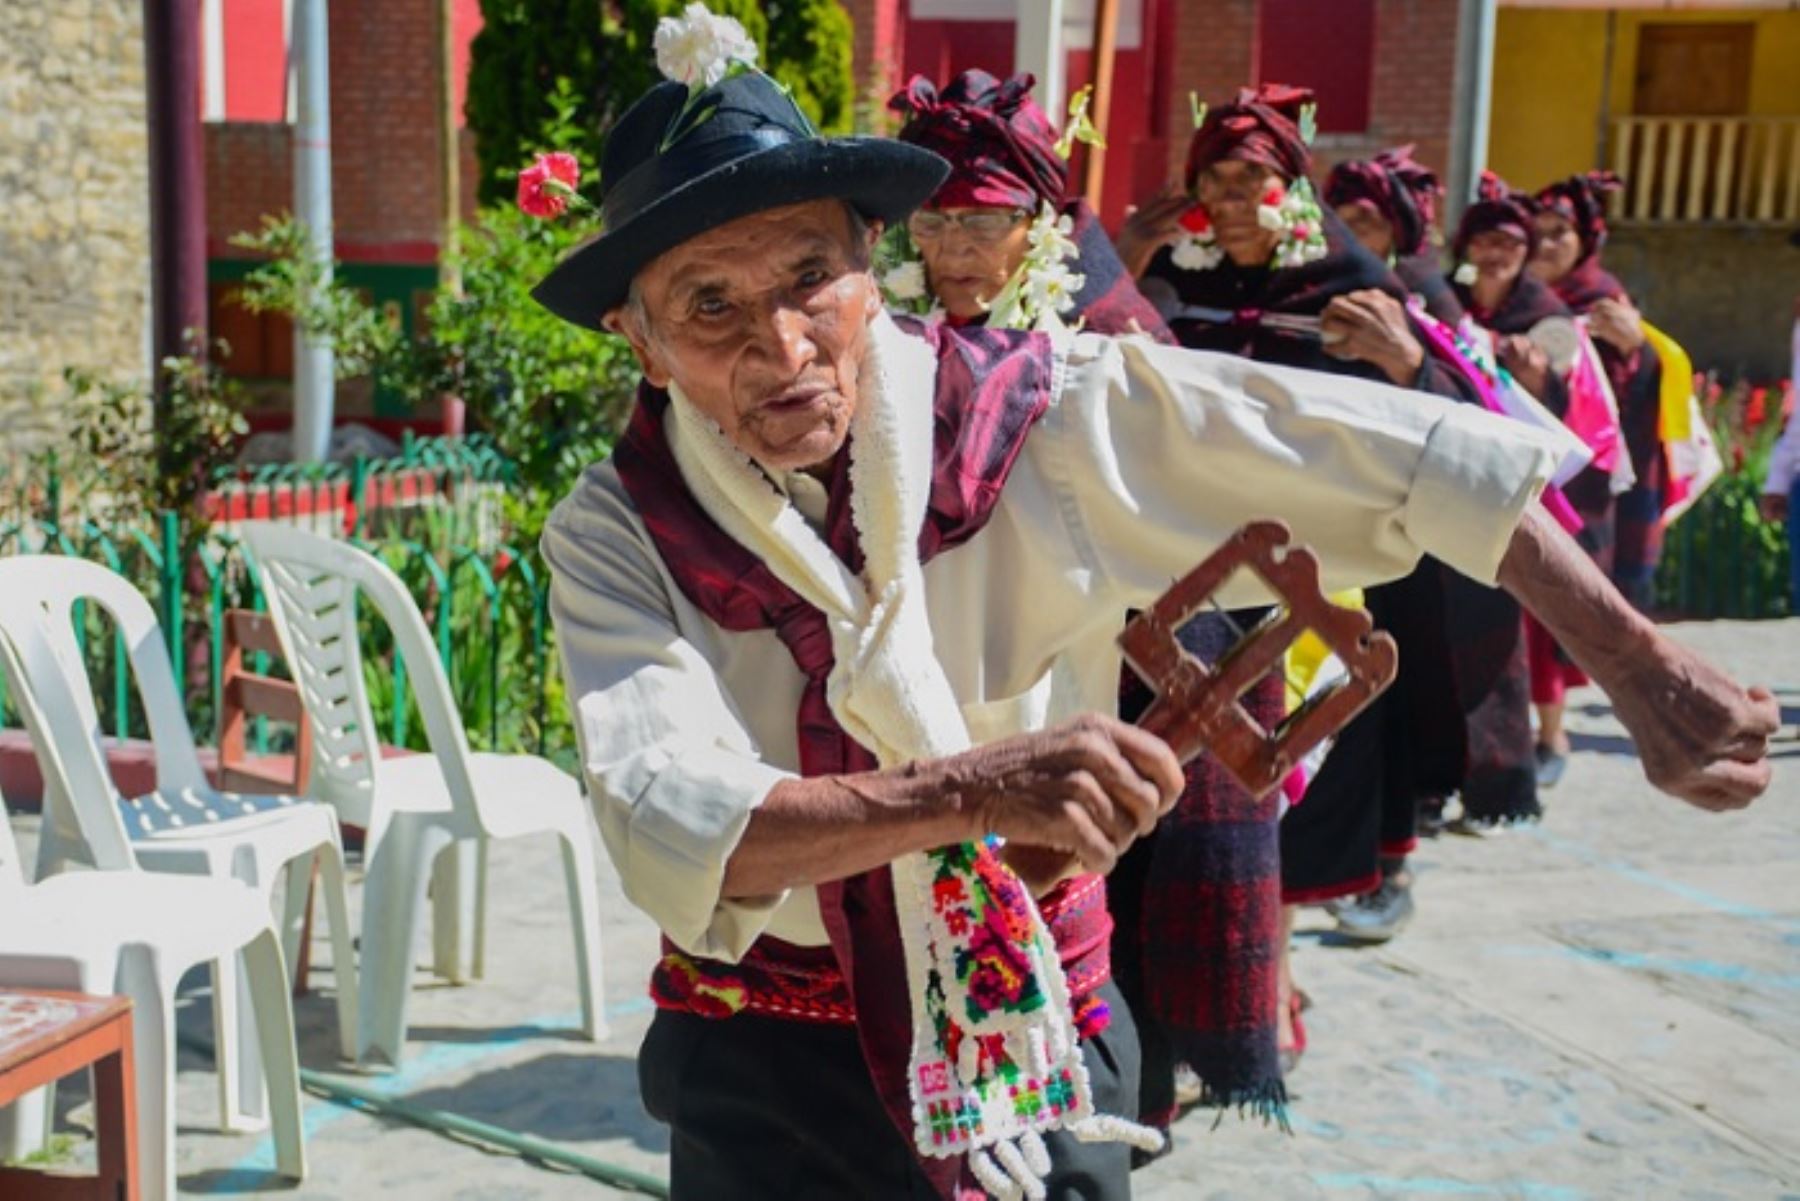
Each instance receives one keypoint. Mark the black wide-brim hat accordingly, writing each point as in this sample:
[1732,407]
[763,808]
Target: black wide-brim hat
[673,171]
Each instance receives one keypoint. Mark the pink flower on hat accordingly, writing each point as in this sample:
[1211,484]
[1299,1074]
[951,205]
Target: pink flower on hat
[546,186]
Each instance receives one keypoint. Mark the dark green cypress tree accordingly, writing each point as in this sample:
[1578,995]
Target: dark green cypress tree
[605,49]
[810,46]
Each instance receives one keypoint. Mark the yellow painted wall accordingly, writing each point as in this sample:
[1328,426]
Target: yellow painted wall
[1549,65]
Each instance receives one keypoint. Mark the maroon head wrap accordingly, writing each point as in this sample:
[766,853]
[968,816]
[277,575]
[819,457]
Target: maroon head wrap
[1262,125]
[1404,191]
[1497,206]
[1001,146]
[1581,201]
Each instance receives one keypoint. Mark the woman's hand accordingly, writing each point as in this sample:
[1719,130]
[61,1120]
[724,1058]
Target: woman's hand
[1372,327]
[1526,361]
[1151,226]
[1618,322]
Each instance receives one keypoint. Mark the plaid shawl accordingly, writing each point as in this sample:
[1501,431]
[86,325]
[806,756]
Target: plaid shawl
[1200,922]
[992,386]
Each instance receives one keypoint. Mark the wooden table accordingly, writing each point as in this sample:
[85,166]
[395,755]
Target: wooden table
[45,1036]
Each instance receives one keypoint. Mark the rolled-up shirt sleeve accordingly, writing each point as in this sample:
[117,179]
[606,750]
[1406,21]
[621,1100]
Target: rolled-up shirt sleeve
[671,770]
[1162,453]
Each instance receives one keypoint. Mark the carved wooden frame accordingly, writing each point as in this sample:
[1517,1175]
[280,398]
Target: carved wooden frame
[1197,704]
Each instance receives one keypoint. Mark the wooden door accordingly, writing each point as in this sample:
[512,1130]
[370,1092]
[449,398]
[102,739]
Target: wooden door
[1700,70]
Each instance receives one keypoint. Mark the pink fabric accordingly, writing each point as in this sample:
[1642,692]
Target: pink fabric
[1590,416]
[1441,343]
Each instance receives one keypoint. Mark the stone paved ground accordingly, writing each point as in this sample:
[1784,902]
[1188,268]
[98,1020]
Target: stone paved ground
[1606,1006]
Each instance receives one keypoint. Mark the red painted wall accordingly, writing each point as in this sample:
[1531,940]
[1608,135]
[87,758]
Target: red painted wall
[1327,45]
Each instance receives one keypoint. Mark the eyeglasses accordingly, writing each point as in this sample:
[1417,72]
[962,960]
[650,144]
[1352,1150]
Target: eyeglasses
[986,227]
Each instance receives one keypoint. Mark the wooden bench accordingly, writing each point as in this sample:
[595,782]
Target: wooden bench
[45,1036]
[244,696]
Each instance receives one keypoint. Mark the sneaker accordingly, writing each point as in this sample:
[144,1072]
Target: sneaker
[1431,816]
[1550,766]
[1377,916]
[1188,1089]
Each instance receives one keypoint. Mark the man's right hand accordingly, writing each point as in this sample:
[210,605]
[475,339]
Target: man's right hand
[1089,788]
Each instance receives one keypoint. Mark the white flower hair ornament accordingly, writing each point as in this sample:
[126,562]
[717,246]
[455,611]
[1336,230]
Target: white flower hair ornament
[1044,286]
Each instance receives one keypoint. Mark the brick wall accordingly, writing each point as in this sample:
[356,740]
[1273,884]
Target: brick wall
[1414,94]
[876,57]
[385,142]
[1215,54]
[74,204]
[1413,86]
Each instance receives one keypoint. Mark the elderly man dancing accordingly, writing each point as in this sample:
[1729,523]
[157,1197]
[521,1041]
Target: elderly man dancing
[837,621]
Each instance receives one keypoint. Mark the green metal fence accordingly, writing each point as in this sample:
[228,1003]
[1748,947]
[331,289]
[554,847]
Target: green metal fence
[487,607]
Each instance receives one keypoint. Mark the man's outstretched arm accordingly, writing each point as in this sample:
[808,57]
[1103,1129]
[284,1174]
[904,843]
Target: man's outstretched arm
[1164,452]
[1701,736]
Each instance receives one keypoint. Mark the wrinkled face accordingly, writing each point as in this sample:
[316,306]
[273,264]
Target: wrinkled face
[1498,254]
[764,323]
[969,254]
[1231,192]
[1558,248]
[1370,228]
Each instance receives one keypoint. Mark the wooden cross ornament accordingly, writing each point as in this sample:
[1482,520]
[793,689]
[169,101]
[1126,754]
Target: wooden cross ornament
[1197,706]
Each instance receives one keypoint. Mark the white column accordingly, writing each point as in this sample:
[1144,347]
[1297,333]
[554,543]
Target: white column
[314,370]
[1038,48]
[212,60]
[1474,101]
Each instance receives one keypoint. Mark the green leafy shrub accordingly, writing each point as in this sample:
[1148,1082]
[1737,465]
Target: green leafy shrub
[606,53]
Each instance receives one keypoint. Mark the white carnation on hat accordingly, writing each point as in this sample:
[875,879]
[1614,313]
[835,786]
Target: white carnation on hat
[698,47]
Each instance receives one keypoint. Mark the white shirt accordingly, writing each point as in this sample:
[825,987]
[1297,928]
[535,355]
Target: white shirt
[1147,459]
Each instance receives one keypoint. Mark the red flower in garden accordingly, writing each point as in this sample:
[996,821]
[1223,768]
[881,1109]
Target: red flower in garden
[546,185]
[1757,409]
[1196,220]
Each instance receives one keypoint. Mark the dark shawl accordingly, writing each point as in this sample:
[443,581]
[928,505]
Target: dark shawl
[1636,380]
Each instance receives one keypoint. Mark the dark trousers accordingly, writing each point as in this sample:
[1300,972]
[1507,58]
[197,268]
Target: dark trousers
[761,1109]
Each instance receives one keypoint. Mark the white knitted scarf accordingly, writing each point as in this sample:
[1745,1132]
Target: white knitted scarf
[987,1079]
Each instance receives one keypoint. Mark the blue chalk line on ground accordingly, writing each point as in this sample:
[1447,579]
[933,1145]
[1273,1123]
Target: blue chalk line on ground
[1433,1186]
[1631,871]
[254,1171]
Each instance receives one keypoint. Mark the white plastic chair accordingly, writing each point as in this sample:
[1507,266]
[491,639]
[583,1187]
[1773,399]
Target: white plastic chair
[137,932]
[420,811]
[185,826]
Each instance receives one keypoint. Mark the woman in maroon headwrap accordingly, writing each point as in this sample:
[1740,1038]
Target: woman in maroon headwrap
[1243,261]
[1005,168]
[1571,229]
[1495,241]
[1390,203]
